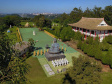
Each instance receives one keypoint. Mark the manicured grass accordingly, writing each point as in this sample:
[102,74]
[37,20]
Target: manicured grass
[36,75]
[30,23]
[13,34]
[44,39]
[106,78]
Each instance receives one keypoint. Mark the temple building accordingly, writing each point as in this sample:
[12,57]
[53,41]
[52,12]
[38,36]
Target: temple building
[92,27]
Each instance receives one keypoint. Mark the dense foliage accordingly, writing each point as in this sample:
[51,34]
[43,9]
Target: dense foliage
[12,67]
[42,22]
[84,71]
[76,14]
[6,21]
[63,33]
[96,49]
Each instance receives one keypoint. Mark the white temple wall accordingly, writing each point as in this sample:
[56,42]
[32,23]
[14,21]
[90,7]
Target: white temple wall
[103,23]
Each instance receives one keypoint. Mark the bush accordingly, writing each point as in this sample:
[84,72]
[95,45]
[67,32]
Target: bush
[79,45]
[78,36]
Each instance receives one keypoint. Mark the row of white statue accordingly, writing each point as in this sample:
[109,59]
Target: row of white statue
[60,62]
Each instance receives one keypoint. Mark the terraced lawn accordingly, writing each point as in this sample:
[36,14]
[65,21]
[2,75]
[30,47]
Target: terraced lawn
[44,39]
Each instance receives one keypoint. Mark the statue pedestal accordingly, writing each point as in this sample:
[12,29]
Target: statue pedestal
[51,57]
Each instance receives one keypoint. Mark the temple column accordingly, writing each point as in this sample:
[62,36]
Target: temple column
[104,33]
[90,33]
[75,29]
[108,32]
[99,35]
[82,31]
[86,34]
[95,34]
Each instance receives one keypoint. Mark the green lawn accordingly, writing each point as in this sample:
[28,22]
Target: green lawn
[44,39]
[30,23]
[36,75]
[106,78]
[13,34]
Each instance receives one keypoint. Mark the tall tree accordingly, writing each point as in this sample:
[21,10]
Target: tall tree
[12,68]
[97,11]
[88,13]
[84,71]
[76,15]
[108,14]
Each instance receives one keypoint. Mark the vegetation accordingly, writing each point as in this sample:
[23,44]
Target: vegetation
[41,22]
[6,21]
[76,14]
[84,71]
[12,68]
[96,49]
[63,33]
[37,75]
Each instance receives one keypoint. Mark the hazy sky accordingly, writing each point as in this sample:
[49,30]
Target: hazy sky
[50,6]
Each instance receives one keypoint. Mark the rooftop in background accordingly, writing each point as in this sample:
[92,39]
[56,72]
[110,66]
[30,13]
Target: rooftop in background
[92,24]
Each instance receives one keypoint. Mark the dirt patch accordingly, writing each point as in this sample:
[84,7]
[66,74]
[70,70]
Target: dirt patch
[105,68]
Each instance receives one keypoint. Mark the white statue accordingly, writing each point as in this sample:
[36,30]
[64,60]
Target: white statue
[10,26]
[33,32]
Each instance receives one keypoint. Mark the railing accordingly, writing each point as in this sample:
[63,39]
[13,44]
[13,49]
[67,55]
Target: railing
[93,35]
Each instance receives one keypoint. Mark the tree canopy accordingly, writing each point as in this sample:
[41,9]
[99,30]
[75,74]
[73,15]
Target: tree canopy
[84,71]
[12,67]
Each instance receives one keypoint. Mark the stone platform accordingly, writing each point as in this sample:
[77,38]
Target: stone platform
[51,57]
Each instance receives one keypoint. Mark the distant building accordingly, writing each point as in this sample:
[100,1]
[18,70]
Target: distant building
[21,48]
[92,27]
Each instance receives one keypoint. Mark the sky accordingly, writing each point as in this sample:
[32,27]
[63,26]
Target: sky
[49,6]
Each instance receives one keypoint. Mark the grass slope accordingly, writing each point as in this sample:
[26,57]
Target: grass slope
[36,75]
[106,78]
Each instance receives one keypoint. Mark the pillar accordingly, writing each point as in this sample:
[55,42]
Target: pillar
[104,33]
[99,35]
[65,49]
[95,34]
[62,48]
[86,34]
[34,53]
[108,32]
[41,52]
[44,51]
[90,33]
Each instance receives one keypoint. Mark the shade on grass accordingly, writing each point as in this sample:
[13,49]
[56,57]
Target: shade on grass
[36,74]
[44,39]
